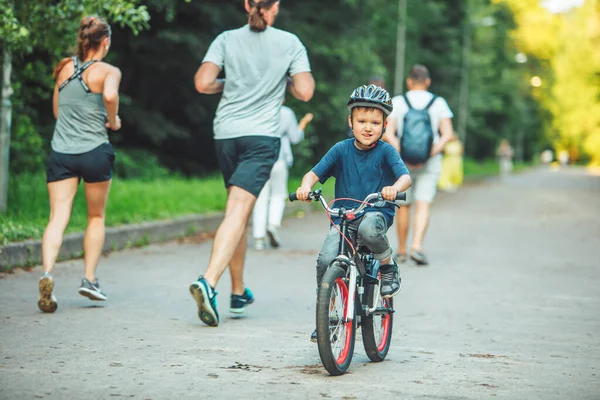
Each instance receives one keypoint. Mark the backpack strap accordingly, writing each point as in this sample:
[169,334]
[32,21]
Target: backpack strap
[410,107]
[433,99]
[78,74]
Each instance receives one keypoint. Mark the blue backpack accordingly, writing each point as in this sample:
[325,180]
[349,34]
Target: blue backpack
[417,135]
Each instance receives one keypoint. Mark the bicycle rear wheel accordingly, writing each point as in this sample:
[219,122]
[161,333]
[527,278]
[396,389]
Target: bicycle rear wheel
[335,335]
[377,328]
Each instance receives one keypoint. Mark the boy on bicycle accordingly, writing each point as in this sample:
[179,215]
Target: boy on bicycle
[363,165]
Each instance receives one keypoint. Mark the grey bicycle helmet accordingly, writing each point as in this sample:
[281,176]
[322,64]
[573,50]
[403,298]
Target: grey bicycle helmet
[371,96]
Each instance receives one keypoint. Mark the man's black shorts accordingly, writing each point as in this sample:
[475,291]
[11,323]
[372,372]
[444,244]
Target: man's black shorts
[94,166]
[246,162]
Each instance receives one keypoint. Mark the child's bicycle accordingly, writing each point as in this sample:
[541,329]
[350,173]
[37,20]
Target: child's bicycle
[349,297]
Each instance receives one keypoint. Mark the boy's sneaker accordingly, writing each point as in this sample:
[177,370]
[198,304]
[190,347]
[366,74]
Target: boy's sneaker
[239,303]
[92,290]
[47,302]
[274,239]
[206,297]
[390,282]
[259,244]
[313,336]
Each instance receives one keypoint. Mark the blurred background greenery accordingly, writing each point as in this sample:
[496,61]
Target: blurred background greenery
[523,73]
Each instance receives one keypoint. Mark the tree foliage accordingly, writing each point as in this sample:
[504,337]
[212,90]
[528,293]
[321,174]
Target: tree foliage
[348,41]
[566,48]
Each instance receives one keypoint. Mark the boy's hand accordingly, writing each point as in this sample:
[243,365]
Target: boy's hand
[389,193]
[302,193]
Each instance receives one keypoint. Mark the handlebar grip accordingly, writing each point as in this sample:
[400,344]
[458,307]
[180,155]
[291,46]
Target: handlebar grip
[401,196]
[293,197]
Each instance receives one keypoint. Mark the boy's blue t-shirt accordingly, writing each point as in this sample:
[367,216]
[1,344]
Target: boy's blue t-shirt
[359,173]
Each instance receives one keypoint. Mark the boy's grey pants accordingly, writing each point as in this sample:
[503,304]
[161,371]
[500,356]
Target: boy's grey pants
[369,231]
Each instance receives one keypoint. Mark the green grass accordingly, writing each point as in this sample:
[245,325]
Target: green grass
[480,169]
[134,201]
[130,201]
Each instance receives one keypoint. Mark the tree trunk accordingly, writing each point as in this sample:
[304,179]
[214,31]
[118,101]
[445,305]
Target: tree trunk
[5,122]
[463,104]
[400,48]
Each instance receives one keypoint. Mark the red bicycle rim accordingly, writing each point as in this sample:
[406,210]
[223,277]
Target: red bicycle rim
[345,351]
[385,323]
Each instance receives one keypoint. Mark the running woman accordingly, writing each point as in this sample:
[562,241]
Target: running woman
[85,104]
[260,62]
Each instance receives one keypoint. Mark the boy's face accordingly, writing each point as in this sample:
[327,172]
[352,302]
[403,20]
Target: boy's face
[367,125]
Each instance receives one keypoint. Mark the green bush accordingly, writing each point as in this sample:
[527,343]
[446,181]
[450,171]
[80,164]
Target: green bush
[138,164]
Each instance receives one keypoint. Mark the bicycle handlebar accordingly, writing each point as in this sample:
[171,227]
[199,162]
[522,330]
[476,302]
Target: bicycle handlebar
[316,195]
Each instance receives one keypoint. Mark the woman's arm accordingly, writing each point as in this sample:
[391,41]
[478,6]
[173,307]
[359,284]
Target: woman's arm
[206,81]
[55,100]
[110,94]
[302,86]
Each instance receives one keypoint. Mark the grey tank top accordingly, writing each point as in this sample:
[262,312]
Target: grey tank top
[80,126]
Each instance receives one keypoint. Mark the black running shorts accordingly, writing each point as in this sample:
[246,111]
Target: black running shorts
[94,166]
[246,162]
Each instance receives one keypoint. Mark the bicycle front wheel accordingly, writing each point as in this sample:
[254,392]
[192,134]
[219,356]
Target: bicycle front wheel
[335,335]
[377,328]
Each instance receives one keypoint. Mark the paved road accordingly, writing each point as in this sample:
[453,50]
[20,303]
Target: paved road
[509,308]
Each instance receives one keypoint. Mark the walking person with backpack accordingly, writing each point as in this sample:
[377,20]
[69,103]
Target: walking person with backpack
[419,128]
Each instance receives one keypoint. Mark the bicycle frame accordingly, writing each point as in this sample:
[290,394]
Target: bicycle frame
[351,263]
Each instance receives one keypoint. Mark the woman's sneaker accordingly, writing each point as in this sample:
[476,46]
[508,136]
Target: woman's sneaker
[274,239]
[238,303]
[259,244]
[92,290]
[47,302]
[206,297]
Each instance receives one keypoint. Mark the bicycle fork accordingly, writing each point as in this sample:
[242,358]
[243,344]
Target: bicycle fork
[351,293]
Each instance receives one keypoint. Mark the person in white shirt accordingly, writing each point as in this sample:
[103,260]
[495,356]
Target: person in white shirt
[269,207]
[425,176]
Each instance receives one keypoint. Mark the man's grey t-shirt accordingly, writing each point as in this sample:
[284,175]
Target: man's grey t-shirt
[256,66]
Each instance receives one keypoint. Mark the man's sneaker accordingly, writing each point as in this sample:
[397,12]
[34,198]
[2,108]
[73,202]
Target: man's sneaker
[92,290]
[47,302]
[259,244]
[239,303]
[390,282]
[418,257]
[400,258]
[313,336]
[274,239]
[206,297]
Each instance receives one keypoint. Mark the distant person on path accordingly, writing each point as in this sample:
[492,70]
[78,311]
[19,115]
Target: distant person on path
[547,156]
[260,62]
[563,158]
[505,155]
[451,177]
[269,207]
[419,128]
[85,104]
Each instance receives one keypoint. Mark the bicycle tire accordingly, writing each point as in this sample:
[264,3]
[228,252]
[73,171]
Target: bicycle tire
[334,283]
[377,329]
